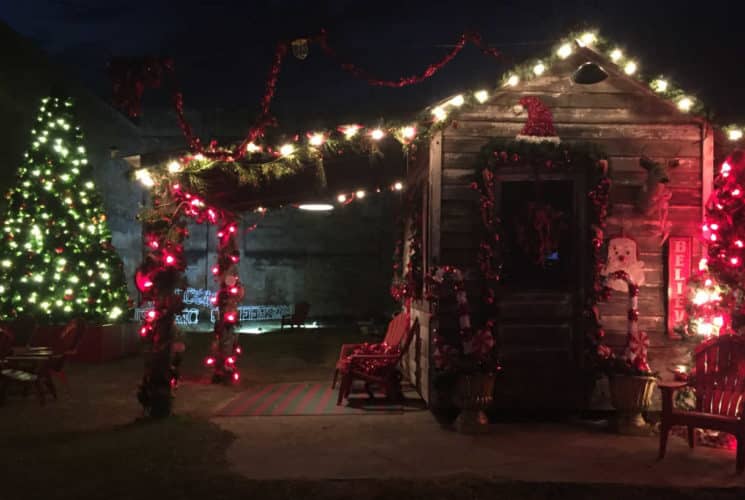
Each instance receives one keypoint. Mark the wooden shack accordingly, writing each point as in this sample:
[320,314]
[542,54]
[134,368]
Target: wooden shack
[540,333]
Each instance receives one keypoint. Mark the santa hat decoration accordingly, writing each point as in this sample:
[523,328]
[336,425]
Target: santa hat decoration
[540,124]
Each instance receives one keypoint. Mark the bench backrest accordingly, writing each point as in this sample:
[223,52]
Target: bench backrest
[301,311]
[720,376]
[397,329]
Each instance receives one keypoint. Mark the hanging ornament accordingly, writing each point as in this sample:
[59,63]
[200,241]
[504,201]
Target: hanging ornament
[59,250]
[300,48]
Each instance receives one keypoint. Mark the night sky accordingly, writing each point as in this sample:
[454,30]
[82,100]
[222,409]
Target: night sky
[223,49]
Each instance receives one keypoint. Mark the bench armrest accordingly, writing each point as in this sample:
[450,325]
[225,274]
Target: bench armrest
[347,349]
[375,356]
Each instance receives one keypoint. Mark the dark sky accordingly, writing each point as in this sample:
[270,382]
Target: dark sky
[223,49]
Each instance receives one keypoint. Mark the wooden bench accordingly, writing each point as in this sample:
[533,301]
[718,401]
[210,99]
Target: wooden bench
[719,384]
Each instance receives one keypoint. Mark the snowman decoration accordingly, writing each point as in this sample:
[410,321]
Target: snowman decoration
[623,255]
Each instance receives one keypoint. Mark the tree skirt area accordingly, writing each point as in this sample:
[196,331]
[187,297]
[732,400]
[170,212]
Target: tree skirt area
[309,398]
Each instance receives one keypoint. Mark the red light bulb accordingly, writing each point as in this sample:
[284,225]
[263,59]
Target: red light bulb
[230,317]
[236,376]
[234,290]
[152,314]
[238,350]
[714,227]
[713,237]
[231,229]
[739,243]
[215,270]
[734,261]
[154,244]
[209,361]
[143,331]
[230,360]
[736,192]
[170,259]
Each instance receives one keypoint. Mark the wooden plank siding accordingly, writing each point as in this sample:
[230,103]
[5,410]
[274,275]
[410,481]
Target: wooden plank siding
[625,121]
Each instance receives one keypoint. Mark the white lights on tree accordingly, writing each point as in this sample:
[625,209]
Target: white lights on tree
[342,198]
[174,167]
[252,148]
[287,150]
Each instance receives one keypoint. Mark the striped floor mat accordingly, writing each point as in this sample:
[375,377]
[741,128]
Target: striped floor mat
[308,398]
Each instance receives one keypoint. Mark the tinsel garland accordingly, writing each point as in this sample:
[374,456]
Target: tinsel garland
[161,272]
[131,76]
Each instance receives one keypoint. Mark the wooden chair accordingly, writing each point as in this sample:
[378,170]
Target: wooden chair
[385,372]
[719,384]
[66,347]
[396,330]
[297,318]
[30,370]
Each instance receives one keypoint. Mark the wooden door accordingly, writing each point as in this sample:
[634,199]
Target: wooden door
[544,274]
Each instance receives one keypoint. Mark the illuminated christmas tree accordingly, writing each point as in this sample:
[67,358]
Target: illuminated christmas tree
[56,257]
[724,230]
[707,315]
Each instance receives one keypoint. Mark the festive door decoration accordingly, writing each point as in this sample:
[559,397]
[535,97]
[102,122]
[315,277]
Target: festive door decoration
[679,271]
[623,255]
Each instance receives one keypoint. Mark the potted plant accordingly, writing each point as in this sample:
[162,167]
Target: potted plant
[467,360]
[631,380]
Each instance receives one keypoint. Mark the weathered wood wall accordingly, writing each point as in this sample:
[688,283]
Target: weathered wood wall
[626,121]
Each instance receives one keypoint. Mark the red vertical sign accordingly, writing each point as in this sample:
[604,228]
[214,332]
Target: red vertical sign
[678,272]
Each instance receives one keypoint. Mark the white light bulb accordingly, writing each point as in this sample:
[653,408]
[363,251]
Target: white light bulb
[350,131]
[377,134]
[630,68]
[734,134]
[616,55]
[587,39]
[539,69]
[439,114]
[482,96]
[316,139]
[252,148]
[660,85]
[360,194]
[398,186]
[341,198]
[513,80]
[685,104]
[457,101]
[564,51]
[143,175]
[286,149]
[408,132]
[174,167]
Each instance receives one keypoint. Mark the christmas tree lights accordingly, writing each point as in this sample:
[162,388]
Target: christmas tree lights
[724,231]
[57,260]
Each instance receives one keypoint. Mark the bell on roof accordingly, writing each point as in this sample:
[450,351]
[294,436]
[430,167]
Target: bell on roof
[589,73]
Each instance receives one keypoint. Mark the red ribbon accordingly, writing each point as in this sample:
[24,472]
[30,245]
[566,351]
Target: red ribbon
[130,78]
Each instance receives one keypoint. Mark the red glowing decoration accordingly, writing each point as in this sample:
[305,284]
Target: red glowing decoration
[215,270]
[209,361]
[236,376]
[170,259]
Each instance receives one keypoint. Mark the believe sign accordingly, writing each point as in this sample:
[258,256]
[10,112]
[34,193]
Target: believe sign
[678,272]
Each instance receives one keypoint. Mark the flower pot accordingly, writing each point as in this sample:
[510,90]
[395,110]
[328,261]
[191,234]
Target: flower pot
[473,394]
[630,396]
